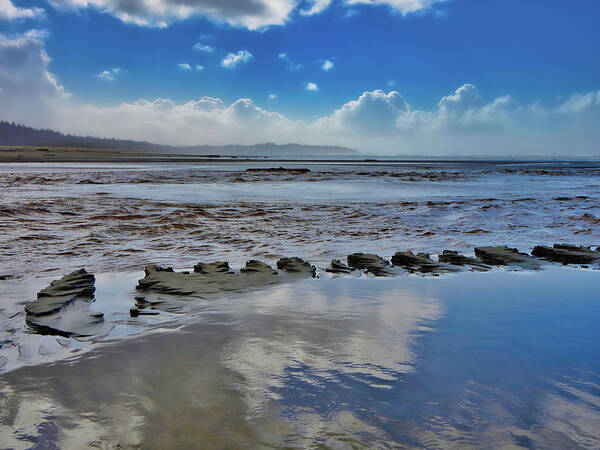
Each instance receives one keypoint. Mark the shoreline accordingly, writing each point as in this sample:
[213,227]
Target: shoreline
[16,154]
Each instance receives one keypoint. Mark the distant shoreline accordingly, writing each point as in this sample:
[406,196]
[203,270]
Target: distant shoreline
[17,154]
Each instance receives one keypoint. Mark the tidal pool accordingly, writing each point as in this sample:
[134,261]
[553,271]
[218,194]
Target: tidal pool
[478,360]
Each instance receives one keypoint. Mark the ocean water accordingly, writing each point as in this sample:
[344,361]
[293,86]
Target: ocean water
[474,360]
[481,360]
[111,217]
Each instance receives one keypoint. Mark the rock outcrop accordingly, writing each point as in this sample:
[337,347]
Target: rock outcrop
[339,267]
[296,265]
[64,307]
[457,259]
[212,268]
[567,254]
[506,256]
[294,171]
[211,281]
[371,263]
[421,262]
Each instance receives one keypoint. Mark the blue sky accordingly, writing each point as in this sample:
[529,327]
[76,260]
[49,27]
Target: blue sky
[541,57]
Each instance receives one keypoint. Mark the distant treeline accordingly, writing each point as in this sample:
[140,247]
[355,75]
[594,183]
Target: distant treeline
[12,133]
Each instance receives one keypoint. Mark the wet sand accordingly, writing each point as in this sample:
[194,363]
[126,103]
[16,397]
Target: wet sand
[476,360]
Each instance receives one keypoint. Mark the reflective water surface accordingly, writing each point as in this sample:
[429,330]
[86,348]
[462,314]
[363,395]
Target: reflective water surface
[478,360]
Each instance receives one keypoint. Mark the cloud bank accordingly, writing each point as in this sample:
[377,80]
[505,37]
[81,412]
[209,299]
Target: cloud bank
[250,14]
[460,123]
[28,89]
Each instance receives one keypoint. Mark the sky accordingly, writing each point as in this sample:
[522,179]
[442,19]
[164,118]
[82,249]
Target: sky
[405,77]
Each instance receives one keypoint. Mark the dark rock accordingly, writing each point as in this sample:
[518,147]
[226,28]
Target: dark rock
[216,267]
[76,285]
[64,307]
[212,281]
[566,254]
[294,171]
[296,265]
[455,258]
[370,262]
[134,312]
[255,266]
[421,262]
[506,256]
[339,267]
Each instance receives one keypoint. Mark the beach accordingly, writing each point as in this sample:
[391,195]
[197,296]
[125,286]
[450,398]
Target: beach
[355,304]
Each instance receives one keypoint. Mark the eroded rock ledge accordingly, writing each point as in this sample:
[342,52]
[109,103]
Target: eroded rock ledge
[64,307]
[210,280]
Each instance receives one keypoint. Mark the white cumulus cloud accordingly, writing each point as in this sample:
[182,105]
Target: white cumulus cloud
[8,11]
[402,6]
[250,14]
[464,98]
[199,67]
[327,65]
[372,111]
[316,7]
[234,59]
[311,87]
[184,66]
[110,74]
[203,48]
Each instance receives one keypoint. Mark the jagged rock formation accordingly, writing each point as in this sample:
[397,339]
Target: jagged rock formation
[212,268]
[293,171]
[421,262]
[371,263]
[506,256]
[210,281]
[567,254]
[339,267]
[296,265]
[455,258]
[64,307]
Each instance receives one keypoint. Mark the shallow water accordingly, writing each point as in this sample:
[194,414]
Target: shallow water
[110,217]
[469,360]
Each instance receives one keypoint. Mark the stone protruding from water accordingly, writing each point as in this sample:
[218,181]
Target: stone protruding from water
[372,263]
[215,280]
[506,256]
[339,267]
[76,285]
[212,268]
[64,307]
[295,170]
[457,259]
[421,262]
[567,254]
[296,265]
[259,267]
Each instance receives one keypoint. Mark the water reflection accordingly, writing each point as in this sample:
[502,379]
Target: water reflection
[479,360]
